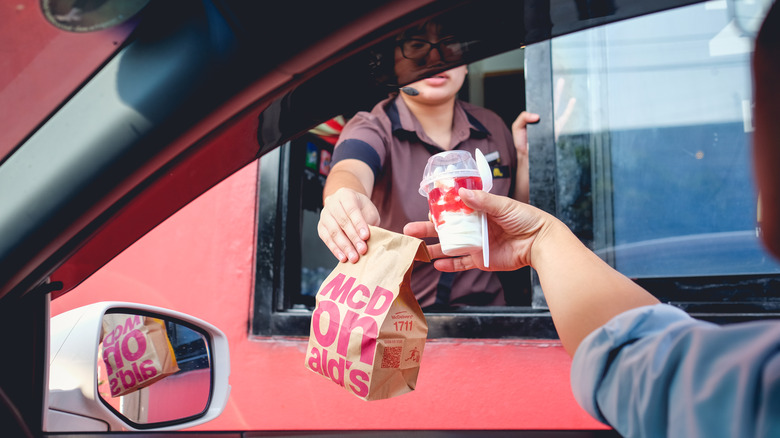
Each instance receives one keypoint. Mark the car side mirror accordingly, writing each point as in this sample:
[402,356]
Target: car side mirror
[124,366]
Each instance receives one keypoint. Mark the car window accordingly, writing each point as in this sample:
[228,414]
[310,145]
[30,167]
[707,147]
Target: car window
[616,155]
[630,170]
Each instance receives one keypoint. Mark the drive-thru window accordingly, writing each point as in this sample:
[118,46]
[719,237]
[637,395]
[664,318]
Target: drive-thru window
[643,150]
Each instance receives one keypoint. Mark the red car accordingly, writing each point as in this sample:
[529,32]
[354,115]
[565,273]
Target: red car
[165,160]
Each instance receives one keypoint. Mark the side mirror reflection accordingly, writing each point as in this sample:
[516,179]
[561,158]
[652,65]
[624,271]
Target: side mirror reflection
[153,370]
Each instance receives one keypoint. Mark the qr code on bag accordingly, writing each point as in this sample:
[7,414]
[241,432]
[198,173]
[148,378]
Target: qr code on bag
[392,357]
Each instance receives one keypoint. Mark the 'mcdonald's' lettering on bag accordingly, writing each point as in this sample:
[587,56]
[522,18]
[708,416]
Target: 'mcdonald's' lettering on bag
[136,352]
[367,329]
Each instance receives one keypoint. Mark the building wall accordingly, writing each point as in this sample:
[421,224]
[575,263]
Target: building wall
[201,261]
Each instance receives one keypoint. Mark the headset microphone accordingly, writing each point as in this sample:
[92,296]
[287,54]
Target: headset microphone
[410,91]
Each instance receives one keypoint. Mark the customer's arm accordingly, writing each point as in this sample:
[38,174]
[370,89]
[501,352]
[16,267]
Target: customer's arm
[582,291]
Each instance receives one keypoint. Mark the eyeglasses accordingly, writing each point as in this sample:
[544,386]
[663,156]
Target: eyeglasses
[450,49]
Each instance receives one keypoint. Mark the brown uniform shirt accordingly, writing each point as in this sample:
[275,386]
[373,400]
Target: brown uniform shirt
[392,142]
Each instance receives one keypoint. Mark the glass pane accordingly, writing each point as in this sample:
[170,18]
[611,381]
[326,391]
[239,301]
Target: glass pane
[653,126]
[152,370]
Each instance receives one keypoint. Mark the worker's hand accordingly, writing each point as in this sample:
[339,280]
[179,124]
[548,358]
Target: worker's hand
[344,222]
[520,138]
[512,228]
[519,131]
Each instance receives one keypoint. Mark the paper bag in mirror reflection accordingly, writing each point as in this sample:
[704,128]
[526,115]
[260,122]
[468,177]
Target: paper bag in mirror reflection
[135,351]
[367,329]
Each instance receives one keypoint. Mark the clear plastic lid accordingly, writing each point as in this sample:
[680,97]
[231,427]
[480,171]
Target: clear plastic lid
[447,164]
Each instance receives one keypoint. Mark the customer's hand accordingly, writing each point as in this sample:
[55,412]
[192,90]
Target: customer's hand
[582,291]
[344,221]
[513,227]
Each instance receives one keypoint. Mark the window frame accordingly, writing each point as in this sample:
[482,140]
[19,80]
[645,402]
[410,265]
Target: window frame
[278,264]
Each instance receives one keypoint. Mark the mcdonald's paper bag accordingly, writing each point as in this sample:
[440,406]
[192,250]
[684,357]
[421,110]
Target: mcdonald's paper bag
[367,329]
[136,352]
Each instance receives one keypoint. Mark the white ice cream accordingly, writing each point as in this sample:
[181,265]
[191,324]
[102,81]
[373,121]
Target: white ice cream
[460,233]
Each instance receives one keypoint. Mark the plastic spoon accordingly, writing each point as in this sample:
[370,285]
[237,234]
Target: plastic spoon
[487,183]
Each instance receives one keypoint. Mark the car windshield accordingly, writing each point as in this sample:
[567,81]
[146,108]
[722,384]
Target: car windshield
[41,66]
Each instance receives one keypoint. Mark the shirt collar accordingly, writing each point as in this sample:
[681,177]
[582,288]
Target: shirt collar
[404,124]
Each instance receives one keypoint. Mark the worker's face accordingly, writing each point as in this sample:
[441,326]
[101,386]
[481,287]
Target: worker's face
[428,49]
